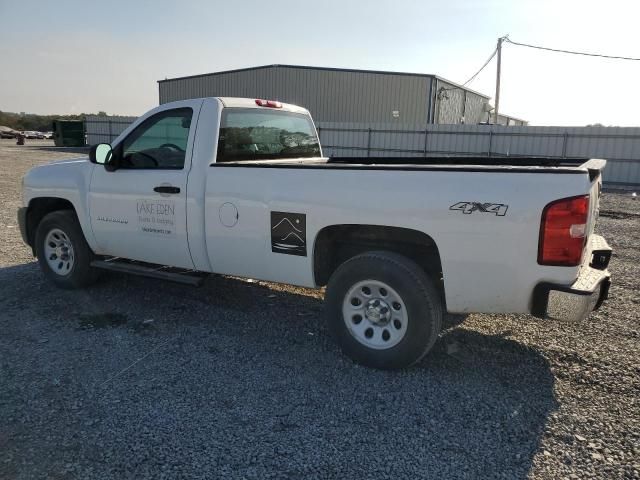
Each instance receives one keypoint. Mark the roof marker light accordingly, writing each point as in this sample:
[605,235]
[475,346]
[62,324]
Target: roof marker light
[268,103]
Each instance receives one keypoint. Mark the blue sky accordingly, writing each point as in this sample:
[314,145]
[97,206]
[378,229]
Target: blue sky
[79,56]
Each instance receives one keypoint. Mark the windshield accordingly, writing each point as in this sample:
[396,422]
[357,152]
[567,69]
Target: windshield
[255,134]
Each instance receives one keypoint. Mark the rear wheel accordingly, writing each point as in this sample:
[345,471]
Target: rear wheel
[383,310]
[63,253]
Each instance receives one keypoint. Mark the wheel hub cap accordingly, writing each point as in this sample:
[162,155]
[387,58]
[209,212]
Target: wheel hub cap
[378,312]
[58,251]
[375,314]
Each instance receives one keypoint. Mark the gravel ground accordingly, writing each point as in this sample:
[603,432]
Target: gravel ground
[136,378]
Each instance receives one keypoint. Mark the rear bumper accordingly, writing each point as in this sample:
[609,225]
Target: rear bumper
[22,223]
[575,302]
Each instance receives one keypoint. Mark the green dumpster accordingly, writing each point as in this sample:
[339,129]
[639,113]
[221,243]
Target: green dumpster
[68,133]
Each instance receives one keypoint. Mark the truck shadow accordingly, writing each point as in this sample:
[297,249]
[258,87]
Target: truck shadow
[253,364]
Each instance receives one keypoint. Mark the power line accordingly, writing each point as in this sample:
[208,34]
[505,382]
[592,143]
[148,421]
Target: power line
[444,89]
[615,57]
[481,68]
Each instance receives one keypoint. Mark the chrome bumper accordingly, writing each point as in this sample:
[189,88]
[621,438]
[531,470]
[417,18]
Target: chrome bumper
[575,302]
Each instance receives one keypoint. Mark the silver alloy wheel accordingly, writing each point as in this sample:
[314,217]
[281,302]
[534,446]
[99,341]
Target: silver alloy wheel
[375,314]
[58,251]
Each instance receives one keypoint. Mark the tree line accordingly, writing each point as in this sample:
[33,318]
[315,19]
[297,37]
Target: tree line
[39,123]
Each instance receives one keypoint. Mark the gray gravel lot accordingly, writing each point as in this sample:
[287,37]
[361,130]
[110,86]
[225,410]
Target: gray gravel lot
[136,378]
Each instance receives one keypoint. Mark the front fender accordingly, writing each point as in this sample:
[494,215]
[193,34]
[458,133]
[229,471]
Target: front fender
[66,180]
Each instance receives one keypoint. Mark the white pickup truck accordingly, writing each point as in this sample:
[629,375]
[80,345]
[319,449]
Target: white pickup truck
[240,187]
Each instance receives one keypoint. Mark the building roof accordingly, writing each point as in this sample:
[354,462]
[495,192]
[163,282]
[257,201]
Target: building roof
[329,69]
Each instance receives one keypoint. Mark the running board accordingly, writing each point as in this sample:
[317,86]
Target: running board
[178,275]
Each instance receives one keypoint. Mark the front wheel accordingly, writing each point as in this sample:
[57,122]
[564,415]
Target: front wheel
[63,253]
[383,310]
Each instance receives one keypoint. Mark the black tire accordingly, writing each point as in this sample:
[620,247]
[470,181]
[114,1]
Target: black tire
[81,273]
[422,301]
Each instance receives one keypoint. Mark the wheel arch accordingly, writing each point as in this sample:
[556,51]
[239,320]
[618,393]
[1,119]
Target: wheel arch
[38,208]
[335,244]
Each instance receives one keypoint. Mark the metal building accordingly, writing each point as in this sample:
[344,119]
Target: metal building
[347,97]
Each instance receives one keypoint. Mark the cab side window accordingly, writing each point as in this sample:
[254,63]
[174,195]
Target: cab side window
[160,142]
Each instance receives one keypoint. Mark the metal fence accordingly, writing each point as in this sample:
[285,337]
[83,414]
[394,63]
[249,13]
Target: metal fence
[104,129]
[619,145]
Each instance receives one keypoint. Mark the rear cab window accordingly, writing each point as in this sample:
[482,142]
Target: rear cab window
[258,134]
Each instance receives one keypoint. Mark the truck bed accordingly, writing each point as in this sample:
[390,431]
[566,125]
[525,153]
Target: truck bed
[479,164]
[458,160]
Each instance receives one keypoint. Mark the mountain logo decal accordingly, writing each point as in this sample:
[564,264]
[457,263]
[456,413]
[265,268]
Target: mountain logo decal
[289,233]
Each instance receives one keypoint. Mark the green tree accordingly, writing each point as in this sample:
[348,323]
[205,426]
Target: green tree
[31,121]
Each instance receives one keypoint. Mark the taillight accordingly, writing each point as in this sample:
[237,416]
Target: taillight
[268,103]
[563,231]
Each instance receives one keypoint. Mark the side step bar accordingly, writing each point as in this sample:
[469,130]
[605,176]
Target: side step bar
[178,275]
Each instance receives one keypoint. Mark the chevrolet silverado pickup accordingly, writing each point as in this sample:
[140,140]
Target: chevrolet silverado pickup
[240,187]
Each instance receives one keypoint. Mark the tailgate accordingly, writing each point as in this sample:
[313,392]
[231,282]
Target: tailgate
[594,168]
[597,251]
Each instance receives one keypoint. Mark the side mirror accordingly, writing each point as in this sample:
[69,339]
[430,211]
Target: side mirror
[101,154]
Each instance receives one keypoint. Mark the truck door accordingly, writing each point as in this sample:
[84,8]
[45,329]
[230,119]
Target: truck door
[138,211]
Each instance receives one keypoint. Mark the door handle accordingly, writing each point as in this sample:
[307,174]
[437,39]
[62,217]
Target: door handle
[166,189]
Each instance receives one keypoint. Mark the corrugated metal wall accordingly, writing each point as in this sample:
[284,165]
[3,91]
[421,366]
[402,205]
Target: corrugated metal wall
[337,95]
[450,104]
[511,121]
[103,129]
[453,104]
[620,146]
[330,95]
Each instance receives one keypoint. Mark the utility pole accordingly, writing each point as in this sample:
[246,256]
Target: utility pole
[497,107]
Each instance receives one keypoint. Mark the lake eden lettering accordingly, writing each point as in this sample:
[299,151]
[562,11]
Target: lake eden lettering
[152,214]
[155,208]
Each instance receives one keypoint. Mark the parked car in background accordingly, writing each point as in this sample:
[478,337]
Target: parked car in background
[32,134]
[48,135]
[6,132]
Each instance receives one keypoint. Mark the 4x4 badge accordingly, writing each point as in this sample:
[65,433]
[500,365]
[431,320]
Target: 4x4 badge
[498,209]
